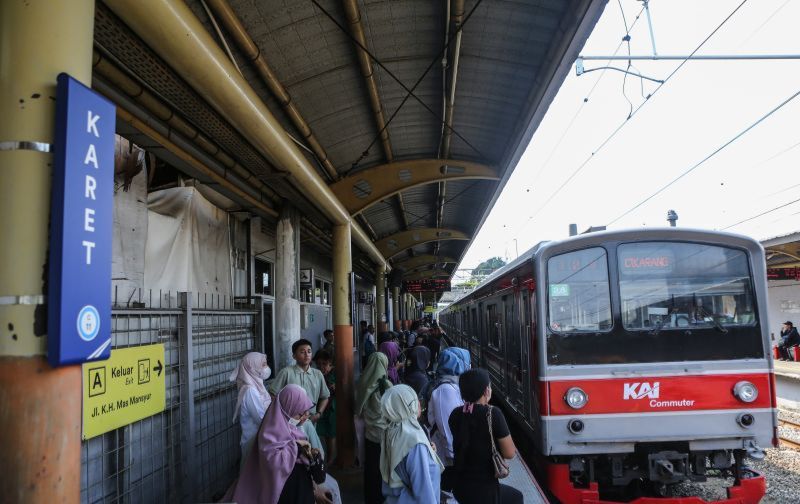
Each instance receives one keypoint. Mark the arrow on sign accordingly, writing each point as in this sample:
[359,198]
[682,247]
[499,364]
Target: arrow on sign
[158,368]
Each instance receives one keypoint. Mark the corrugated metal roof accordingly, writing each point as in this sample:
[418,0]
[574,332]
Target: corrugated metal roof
[509,63]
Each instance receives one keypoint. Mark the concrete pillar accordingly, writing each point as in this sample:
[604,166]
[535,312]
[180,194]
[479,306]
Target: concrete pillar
[287,285]
[396,307]
[380,296]
[40,407]
[343,344]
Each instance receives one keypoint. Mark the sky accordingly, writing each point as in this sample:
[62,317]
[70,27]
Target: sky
[699,108]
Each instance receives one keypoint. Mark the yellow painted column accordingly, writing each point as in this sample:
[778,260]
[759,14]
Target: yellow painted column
[380,296]
[343,344]
[40,408]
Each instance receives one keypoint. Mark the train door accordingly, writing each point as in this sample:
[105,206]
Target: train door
[514,357]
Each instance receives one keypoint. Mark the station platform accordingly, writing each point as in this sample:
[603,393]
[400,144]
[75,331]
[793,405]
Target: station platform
[351,483]
[787,382]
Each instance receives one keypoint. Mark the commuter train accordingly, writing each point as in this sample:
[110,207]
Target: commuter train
[633,360]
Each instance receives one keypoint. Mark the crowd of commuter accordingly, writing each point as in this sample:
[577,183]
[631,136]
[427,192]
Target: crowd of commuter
[425,430]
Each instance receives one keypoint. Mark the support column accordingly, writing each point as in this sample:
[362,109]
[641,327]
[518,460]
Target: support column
[287,289]
[40,407]
[380,296]
[396,307]
[343,345]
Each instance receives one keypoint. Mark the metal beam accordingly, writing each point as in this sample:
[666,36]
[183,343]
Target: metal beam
[359,191]
[423,260]
[427,274]
[267,74]
[177,36]
[398,242]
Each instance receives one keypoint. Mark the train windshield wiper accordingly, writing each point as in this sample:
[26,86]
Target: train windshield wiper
[714,321]
[657,329]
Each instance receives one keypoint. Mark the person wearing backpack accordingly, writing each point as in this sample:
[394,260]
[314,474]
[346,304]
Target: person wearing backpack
[441,398]
[482,443]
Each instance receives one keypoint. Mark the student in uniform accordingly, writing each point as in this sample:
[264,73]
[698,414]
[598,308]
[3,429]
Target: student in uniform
[253,400]
[371,387]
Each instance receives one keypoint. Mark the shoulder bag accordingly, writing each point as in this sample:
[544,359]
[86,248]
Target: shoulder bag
[501,469]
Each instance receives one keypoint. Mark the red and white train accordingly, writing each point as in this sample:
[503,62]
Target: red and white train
[633,360]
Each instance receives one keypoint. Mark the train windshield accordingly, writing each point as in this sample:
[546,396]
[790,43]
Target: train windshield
[579,292]
[678,302]
[668,286]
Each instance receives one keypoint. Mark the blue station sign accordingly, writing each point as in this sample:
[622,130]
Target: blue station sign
[81,218]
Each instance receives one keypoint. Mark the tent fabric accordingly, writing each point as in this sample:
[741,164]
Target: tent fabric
[188,245]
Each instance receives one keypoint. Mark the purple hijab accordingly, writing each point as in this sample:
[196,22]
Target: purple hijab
[392,351]
[273,456]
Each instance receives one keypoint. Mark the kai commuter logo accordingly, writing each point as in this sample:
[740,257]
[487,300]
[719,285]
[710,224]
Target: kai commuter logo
[641,390]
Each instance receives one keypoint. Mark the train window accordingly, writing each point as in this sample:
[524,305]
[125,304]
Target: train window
[495,323]
[473,327]
[578,291]
[668,285]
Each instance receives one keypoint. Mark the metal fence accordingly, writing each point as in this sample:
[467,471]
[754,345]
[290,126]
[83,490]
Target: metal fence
[190,451]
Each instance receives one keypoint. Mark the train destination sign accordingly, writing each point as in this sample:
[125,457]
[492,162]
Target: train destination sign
[81,213]
[127,387]
[427,285]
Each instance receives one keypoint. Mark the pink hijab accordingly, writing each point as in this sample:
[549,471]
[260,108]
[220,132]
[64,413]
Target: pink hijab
[248,374]
[275,452]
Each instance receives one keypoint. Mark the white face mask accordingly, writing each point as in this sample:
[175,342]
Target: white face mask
[266,373]
[294,422]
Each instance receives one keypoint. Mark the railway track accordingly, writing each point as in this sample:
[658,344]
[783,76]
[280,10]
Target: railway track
[791,443]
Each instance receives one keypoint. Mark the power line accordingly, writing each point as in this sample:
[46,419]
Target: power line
[762,214]
[714,153]
[633,114]
[624,39]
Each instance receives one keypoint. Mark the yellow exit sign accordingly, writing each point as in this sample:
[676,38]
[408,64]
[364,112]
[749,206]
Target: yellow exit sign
[127,387]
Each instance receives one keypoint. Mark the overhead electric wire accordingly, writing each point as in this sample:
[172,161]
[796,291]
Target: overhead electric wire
[633,114]
[762,214]
[546,163]
[764,23]
[712,154]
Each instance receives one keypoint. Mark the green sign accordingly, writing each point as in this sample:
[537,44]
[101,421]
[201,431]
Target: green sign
[559,290]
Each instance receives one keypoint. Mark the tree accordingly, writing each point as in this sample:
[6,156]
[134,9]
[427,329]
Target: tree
[488,267]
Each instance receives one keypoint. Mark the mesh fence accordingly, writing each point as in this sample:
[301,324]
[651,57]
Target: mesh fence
[190,451]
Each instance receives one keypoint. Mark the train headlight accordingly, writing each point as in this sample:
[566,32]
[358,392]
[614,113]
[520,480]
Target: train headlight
[745,391]
[576,398]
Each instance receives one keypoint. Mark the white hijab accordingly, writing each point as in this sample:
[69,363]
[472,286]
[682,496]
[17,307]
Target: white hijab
[249,373]
[400,407]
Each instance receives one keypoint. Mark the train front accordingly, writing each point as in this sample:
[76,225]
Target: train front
[655,368]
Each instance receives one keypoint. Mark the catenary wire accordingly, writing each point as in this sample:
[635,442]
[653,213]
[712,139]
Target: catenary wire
[713,153]
[762,214]
[633,114]
[563,135]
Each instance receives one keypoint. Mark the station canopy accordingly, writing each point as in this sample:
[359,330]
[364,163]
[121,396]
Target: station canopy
[414,112]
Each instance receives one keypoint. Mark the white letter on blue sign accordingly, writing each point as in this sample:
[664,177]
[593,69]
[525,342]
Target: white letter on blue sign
[91,185]
[89,246]
[88,220]
[91,156]
[91,124]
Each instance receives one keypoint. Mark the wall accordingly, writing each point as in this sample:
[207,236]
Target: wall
[784,304]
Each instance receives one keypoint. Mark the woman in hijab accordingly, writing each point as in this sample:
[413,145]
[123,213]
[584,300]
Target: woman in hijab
[409,466]
[442,400]
[392,351]
[275,472]
[371,386]
[253,399]
[475,481]
[416,374]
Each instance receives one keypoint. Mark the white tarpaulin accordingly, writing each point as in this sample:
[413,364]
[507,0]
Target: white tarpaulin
[187,243]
